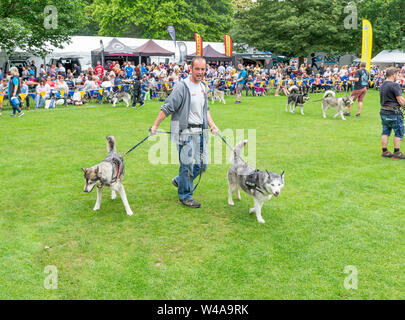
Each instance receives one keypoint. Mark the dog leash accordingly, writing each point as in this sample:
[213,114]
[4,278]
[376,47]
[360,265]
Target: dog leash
[232,149]
[139,143]
[158,131]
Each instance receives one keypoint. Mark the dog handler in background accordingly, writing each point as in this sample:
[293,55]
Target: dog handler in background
[360,88]
[188,106]
[392,118]
[14,89]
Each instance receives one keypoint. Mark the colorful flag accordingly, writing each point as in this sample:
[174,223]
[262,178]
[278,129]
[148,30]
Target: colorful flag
[1,98]
[198,44]
[22,96]
[228,45]
[367,44]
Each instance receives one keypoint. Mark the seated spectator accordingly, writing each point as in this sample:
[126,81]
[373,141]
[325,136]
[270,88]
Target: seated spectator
[24,90]
[105,85]
[77,98]
[42,91]
[61,70]
[50,82]
[249,85]
[259,86]
[61,85]
[118,81]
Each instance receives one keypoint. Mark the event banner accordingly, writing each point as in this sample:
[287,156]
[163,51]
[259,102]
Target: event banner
[367,45]
[183,51]
[172,32]
[198,44]
[228,45]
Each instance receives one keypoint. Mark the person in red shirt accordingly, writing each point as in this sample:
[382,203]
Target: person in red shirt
[50,81]
[99,69]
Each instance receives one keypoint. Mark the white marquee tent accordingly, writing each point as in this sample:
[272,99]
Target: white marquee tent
[82,46]
[389,57]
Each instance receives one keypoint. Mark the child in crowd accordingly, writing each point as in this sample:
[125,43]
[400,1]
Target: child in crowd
[77,98]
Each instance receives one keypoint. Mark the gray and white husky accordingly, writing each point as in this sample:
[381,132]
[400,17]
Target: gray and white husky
[295,98]
[261,185]
[107,173]
[116,97]
[337,103]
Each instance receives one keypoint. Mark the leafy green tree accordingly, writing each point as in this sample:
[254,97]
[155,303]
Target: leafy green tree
[300,27]
[387,20]
[26,25]
[150,18]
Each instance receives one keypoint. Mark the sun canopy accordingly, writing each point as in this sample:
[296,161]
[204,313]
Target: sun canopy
[116,48]
[210,53]
[151,48]
[387,56]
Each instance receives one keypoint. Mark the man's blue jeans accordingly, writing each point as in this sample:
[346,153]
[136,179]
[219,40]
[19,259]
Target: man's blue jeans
[190,150]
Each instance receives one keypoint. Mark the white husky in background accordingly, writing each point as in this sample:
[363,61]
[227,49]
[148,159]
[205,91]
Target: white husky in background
[337,103]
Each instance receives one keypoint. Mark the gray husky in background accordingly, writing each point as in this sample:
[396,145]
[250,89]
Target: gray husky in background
[107,173]
[337,103]
[261,185]
[116,97]
[295,98]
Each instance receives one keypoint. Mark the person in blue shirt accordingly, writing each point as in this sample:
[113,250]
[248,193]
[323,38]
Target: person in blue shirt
[311,83]
[129,69]
[345,79]
[240,83]
[24,90]
[143,70]
[1,75]
[14,86]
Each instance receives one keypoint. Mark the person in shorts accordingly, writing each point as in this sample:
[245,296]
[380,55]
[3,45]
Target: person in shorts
[240,82]
[392,118]
[360,88]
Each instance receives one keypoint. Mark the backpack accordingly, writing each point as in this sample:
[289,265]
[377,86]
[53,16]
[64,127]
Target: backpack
[364,78]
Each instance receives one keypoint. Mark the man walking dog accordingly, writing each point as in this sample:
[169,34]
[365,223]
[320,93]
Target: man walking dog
[360,88]
[392,118]
[188,106]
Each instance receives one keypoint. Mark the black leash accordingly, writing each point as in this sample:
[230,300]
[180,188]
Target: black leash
[135,146]
[229,146]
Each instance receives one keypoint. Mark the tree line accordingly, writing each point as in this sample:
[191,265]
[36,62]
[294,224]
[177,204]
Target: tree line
[286,27]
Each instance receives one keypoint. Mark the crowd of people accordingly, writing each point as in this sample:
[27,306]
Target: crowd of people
[156,81]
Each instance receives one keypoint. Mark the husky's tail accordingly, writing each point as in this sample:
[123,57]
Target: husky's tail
[329,92]
[235,156]
[294,89]
[111,144]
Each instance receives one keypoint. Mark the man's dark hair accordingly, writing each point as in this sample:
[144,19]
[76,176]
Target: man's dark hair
[198,58]
[363,64]
[391,71]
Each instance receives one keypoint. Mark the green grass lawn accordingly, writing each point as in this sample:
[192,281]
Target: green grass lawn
[342,205]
